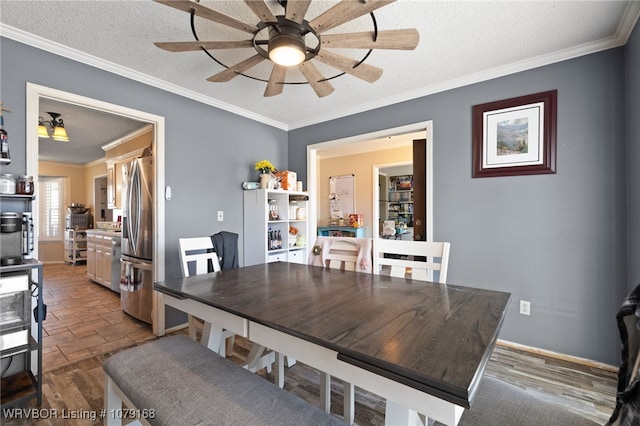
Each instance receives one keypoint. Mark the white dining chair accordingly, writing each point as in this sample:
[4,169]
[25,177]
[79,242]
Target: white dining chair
[197,256]
[342,254]
[411,259]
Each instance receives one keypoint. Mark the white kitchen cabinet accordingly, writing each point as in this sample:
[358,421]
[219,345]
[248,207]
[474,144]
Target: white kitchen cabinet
[103,258]
[261,224]
[116,182]
[91,255]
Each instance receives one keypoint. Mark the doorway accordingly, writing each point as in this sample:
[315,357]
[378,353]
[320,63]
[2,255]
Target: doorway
[395,217]
[365,143]
[36,92]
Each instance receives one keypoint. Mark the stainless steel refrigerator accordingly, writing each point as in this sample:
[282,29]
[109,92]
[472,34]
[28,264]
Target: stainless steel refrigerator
[136,262]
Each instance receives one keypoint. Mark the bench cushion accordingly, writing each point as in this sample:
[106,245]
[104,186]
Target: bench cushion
[499,403]
[188,384]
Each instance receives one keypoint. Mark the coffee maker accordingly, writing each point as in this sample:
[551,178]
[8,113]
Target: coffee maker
[10,238]
[16,237]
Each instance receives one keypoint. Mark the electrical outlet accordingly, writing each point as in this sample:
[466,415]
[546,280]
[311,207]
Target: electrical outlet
[525,307]
[220,215]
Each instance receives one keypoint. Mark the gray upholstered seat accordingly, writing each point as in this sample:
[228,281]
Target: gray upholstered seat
[499,403]
[187,384]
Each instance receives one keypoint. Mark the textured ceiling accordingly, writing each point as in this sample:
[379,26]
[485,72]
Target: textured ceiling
[88,130]
[460,43]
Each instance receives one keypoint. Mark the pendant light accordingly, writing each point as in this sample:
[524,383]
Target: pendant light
[54,128]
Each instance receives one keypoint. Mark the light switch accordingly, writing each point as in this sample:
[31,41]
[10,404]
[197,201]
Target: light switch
[220,215]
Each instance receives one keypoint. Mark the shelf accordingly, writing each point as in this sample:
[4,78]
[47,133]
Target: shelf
[25,385]
[18,196]
[75,242]
[32,345]
[18,388]
[258,228]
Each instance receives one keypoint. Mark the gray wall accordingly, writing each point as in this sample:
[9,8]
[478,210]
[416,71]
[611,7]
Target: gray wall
[209,152]
[633,155]
[555,240]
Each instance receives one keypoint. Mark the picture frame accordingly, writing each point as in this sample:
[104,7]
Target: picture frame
[515,136]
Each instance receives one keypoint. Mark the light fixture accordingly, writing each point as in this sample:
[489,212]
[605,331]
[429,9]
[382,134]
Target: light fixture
[54,128]
[286,46]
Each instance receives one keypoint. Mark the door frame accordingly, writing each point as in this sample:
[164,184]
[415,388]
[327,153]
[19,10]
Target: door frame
[35,92]
[312,171]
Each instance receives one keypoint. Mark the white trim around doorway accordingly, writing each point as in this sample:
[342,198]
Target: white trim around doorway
[312,170]
[33,95]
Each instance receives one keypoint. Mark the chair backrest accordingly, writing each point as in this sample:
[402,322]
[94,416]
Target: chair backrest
[627,409]
[416,259]
[343,254]
[198,251]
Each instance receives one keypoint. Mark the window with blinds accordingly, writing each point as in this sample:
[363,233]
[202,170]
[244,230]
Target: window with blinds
[51,215]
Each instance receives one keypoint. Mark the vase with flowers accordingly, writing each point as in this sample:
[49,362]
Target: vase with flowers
[265,168]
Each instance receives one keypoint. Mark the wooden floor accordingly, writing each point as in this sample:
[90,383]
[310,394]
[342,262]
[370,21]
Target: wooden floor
[85,325]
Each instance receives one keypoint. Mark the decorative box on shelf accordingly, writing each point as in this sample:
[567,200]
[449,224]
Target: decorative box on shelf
[287,180]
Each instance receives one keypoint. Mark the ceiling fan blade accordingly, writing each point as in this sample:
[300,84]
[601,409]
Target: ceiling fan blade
[189,46]
[345,11]
[261,10]
[233,71]
[405,39]
[207,13]
[315,78]
[296,9]
[276,80]
[363,71]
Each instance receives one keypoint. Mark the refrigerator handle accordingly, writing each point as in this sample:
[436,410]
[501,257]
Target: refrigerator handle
[138,265]
[129,280]
[132,222]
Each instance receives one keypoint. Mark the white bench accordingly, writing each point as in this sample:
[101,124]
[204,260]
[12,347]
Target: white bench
[176,381]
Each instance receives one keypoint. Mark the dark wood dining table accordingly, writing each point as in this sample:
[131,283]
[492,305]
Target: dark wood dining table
[421,345]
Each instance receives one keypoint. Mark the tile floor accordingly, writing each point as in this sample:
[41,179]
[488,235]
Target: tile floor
[84,318]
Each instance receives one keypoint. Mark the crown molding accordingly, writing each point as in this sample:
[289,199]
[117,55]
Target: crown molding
[78,56]
[126,138]
[479,77]
[625,28]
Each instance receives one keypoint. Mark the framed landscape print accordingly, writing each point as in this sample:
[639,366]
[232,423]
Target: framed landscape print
[515,136]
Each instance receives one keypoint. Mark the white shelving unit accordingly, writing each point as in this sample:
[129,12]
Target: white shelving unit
[258,224]
[75,245]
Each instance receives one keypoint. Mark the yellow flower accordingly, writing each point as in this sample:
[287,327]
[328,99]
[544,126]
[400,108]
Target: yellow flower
[265,166]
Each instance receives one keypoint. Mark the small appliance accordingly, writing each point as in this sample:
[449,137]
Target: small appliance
[15,308]
[10,238]
[16,237]
[77,221]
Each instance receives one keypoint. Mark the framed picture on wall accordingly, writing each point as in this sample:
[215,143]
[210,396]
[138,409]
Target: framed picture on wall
[515,136]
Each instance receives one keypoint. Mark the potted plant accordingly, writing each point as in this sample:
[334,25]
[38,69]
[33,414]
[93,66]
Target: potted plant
[265,168]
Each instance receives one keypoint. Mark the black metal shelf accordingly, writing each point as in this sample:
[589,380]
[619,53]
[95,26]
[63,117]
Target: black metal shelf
[25,385]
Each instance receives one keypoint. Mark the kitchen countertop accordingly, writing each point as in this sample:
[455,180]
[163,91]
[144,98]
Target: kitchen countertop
[108,232]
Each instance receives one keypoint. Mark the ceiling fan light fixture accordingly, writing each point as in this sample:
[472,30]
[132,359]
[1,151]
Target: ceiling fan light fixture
[287,49]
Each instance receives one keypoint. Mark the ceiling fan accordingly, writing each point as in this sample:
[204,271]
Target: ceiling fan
[290,40]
